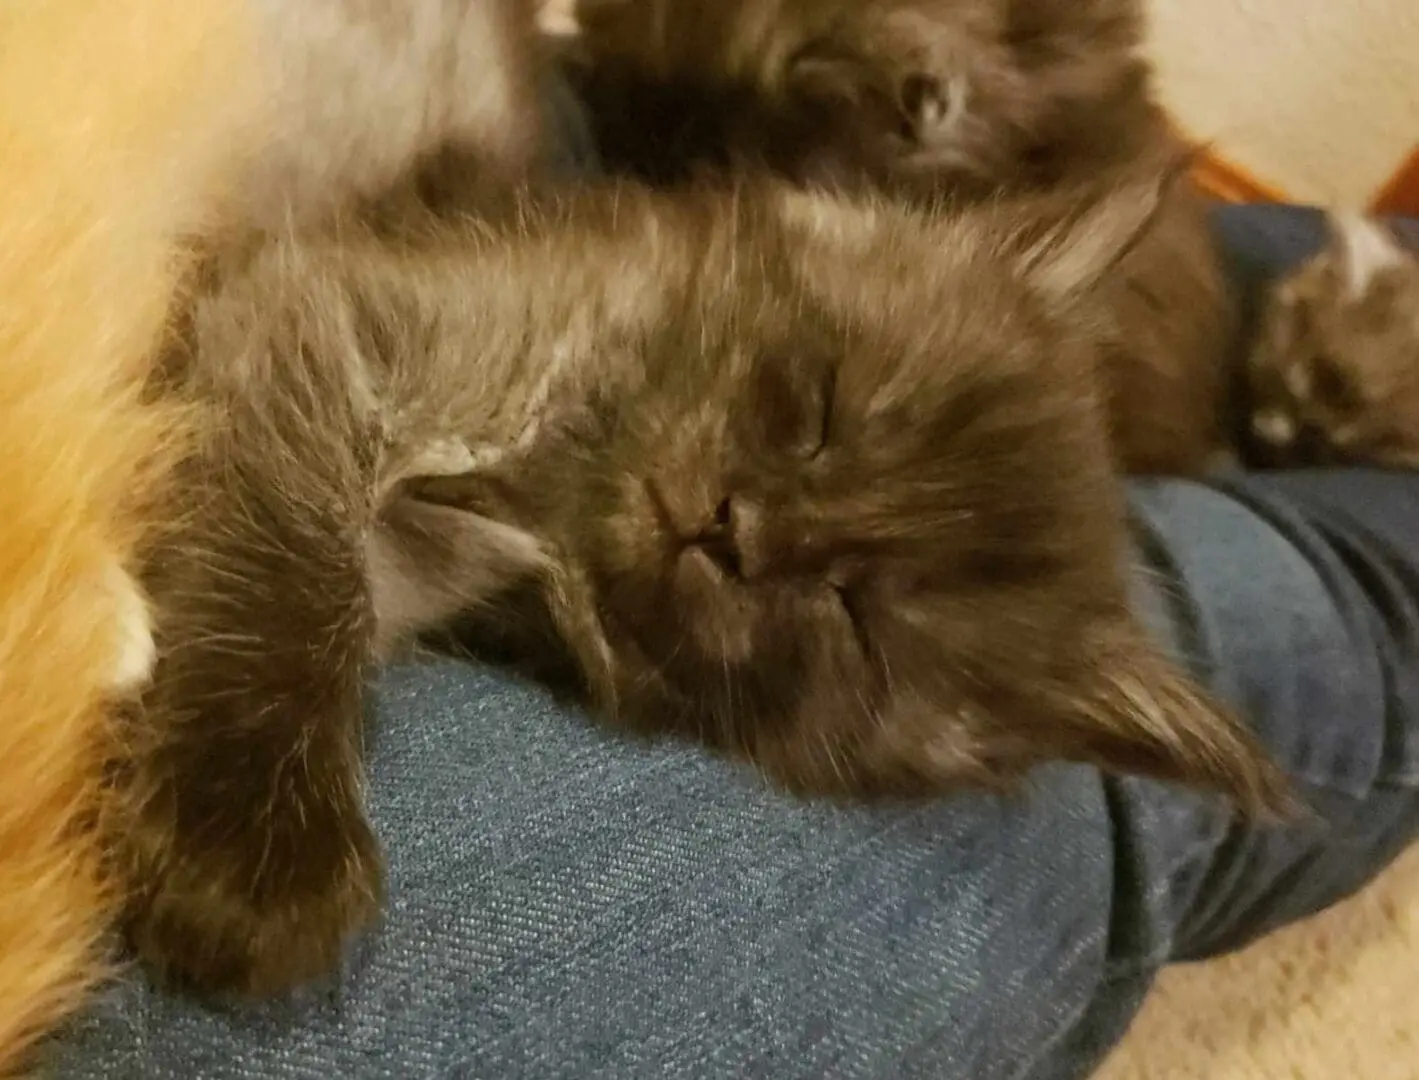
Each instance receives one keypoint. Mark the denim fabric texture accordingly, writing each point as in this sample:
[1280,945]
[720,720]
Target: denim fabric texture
[566,905]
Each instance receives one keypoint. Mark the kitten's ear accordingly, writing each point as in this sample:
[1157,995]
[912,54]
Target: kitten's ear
[1079,238]
[1136,712]
[1365,248]
[1122,707]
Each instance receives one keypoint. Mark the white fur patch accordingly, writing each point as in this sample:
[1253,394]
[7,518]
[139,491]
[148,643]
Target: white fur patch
[442,457]
[1274,427]
[137,653]
[1298,379]
[1222,460]
[1367,248]
[557,18]
[1345,436]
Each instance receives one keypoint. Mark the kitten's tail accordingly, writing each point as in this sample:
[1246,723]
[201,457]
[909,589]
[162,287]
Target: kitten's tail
[117,125]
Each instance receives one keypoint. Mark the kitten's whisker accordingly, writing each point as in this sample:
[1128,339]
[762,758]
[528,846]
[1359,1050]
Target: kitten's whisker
[226,642]
[829,748]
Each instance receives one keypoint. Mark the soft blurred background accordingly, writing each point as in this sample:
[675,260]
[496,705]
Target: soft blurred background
[1317,99]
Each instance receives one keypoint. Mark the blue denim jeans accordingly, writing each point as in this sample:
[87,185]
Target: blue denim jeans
[564,905]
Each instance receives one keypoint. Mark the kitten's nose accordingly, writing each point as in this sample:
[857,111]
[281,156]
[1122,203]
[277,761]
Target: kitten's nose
[734,538]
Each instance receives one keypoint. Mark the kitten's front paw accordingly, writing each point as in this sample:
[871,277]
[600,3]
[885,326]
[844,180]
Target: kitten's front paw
[260,910]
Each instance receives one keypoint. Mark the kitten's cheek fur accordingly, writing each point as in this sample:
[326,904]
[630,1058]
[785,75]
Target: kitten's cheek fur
[428,563]
[1121,707]
[572,600]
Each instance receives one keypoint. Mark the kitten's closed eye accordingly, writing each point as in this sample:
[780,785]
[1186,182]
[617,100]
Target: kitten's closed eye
[794,394]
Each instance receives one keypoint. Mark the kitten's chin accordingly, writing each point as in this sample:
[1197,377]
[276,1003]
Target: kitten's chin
[942,171]
[719,614]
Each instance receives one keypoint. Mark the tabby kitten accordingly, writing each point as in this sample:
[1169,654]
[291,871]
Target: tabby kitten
[1333,377]
[925,98]
[823,483]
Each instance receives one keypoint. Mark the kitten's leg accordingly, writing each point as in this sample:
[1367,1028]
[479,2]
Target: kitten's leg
[243,838]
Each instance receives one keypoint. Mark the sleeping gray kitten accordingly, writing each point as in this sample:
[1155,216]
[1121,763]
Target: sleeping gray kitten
[1334,375]
[827,484]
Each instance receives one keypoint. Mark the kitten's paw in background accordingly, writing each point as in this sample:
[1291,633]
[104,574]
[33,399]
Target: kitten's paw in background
[1316,408]
[1332,375]
[268,910]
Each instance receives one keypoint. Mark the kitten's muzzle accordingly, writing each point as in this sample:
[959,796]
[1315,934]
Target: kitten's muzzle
[732,534]
[734,539]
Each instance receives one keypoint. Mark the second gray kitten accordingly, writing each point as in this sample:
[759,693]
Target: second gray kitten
[932,99]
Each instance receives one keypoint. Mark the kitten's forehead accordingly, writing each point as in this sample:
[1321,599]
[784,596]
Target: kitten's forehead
[911,292]
[759,42]
[731,39]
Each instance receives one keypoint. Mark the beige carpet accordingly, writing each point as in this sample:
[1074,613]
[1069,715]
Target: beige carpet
[1334,998]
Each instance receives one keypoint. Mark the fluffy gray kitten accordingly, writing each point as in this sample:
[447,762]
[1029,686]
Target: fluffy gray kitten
[825,483]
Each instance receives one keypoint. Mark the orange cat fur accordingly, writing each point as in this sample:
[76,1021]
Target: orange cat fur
[116,127]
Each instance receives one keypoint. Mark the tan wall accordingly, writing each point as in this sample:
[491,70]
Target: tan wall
[1320,98]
